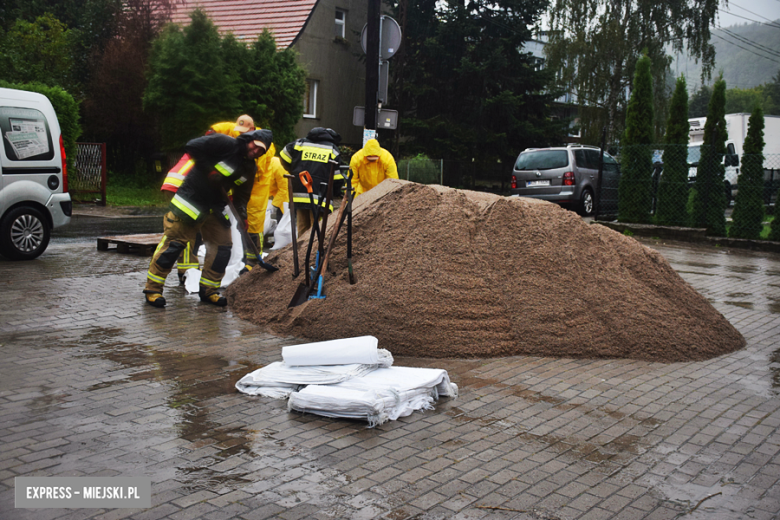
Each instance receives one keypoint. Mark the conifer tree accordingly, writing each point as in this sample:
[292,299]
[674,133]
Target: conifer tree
[634,190]
[189,86]
[673,187]
[709,202]
[272,84]
[748,212]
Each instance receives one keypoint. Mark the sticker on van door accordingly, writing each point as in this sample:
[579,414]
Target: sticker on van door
[27,137]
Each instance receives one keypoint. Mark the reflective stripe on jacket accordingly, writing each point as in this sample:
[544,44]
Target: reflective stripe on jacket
[218,160]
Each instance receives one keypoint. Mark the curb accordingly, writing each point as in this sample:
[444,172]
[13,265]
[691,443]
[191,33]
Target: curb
[684,234]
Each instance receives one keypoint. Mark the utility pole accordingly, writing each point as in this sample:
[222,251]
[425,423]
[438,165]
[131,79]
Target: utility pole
[372,68]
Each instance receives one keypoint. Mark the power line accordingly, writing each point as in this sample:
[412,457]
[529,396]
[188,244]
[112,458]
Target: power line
[751,12]
[771,24]
[745,49]
[751,43]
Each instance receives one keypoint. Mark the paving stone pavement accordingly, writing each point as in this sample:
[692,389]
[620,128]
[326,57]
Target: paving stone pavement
[95,383]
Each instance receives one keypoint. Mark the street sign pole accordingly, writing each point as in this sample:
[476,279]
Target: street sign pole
[372,67]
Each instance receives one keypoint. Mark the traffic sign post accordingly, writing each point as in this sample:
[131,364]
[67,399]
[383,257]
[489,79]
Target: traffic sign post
[380,40]
[372,62]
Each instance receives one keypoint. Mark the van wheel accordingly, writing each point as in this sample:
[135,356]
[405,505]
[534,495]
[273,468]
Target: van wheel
[24,234]
[586,203]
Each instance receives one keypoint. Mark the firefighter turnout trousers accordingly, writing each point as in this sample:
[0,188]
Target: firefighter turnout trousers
[177,237]
[189,255]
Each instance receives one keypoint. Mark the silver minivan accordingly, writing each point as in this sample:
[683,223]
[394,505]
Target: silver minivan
[567,175]
[34,195]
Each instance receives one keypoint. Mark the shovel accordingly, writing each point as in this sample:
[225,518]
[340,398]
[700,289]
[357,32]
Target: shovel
[302,292]
[324,267]
[293,227]
[268,267]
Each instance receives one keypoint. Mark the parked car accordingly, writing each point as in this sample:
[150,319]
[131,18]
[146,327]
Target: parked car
[565,175]
[34,195]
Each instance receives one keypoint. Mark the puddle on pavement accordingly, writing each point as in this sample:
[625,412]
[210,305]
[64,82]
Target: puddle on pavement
[47,402]
[698,264]
[192,380]
[744,305]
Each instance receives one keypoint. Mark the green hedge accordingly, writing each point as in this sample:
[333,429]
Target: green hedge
[67,110]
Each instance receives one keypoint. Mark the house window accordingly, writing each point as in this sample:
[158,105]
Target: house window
[310,98]
[341,24]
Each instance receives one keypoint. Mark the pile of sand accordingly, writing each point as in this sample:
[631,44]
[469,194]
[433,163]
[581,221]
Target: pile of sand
[451,273]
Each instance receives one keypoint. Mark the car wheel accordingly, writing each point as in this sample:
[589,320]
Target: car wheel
[24,234]
[586,203]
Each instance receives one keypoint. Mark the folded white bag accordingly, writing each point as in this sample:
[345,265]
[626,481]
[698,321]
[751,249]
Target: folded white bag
[361,350]
[381,395]
[277,379]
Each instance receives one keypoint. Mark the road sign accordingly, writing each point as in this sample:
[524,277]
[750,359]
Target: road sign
[390,38]
[387,119]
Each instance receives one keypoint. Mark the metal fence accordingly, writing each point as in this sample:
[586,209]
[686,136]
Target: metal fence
[89,175]
[493,177]
[669,184]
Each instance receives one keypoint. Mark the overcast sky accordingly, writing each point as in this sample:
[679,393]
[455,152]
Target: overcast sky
[749,11]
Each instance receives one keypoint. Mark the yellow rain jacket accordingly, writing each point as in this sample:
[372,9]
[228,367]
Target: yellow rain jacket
[269,182]
[367,174]
[227,128]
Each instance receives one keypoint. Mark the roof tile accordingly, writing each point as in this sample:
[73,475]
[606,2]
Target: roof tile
[246,19]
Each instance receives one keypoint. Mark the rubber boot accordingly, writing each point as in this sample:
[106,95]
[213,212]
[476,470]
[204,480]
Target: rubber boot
[245,270]
[181,278]
[213,298]
[155,300]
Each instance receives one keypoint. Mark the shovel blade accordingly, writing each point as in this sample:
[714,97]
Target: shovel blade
[301,296]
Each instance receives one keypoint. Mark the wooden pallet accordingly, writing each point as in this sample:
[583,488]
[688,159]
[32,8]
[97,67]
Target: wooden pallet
[143,245]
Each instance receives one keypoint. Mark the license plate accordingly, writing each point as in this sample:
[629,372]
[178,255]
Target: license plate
[537,183]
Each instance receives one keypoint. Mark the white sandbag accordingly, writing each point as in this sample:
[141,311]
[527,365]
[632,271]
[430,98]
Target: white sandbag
[381,395]
[235,264]
[269,224]
[192,280]
[362,349]
[283,231]
[278,380]
[402,379]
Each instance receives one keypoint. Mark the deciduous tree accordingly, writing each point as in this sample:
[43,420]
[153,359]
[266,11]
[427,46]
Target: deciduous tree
[39,51]
[595,45]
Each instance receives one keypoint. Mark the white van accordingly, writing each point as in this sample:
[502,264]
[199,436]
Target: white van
[34,195]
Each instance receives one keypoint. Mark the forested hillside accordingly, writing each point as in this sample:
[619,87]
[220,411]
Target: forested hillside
[749,55]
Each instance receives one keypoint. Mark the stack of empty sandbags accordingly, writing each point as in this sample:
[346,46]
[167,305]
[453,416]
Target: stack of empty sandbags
[348,378]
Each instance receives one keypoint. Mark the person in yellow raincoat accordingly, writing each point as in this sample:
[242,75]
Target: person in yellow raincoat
[370,166]
[269,182]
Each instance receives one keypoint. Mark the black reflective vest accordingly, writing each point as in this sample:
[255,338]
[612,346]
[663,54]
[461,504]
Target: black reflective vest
[306,155]
[216,155]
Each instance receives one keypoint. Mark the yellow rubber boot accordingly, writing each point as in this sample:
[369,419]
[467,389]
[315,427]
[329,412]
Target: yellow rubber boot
[155,299]
[213,298]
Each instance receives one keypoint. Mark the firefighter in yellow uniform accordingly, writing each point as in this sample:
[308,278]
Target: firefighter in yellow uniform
[177,174]
[370,166]
[269,182]
[221,163]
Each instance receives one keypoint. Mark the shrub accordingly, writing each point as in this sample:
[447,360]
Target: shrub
[420,169]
